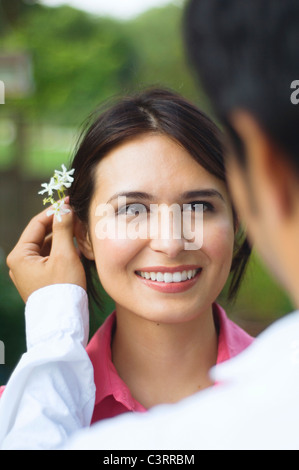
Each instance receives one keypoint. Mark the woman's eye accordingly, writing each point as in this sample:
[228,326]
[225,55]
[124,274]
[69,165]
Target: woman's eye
[133,210]
[198,206]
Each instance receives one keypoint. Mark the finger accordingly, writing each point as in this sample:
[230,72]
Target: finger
[63,234]
[46,248]
[37,229]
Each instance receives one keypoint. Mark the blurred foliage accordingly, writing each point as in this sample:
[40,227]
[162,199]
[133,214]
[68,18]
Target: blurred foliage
[260,298]
[79,60]
[10,12]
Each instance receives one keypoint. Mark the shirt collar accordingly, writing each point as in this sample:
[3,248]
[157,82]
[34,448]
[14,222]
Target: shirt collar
[106,377]
[232,339]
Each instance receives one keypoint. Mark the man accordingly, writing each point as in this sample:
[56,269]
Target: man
[245,53]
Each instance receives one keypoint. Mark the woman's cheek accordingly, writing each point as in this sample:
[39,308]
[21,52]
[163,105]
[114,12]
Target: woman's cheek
[113,258]
[218,242]
[115,254]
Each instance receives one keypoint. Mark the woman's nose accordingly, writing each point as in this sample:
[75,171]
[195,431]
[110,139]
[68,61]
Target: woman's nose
[166,232]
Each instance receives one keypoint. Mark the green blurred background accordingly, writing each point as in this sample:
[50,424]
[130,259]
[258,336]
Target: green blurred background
[58,64]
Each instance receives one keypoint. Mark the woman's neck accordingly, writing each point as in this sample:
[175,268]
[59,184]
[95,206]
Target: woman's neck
[163,363]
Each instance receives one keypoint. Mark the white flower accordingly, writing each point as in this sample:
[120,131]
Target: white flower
[59,182]
[64,177]
[58,209]
[49,187]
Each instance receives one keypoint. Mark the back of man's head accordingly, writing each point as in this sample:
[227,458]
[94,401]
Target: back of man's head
[246,54]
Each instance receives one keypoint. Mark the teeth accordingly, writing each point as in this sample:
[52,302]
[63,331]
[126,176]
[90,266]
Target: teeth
[169,277]
[177,277]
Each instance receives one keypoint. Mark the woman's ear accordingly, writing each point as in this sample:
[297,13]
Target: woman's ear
[83,239]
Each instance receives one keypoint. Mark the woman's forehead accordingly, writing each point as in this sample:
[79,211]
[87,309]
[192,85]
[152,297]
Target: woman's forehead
[151,162]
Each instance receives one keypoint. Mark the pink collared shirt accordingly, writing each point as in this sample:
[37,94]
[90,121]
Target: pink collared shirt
[113,397]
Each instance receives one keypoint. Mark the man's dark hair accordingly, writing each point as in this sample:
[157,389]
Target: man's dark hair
[246,54]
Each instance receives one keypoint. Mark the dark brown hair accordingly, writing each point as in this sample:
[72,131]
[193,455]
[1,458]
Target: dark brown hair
[154,111]
[246,57]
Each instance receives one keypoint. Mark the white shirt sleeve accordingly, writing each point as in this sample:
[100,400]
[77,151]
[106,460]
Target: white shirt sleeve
[51,392]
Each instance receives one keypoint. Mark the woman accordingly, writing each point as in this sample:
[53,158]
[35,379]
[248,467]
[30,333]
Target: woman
[156,150]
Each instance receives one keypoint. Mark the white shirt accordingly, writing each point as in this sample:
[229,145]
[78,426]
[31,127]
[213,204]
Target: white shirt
[50,396]
[51,392]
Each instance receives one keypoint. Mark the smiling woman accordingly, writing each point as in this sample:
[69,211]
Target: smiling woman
[156,150]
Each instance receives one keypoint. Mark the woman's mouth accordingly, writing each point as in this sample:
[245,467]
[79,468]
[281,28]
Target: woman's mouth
[169,280]
[168,277]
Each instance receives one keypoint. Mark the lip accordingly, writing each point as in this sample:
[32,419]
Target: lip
[173,287]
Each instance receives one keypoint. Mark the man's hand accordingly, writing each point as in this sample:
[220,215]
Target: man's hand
[45,254]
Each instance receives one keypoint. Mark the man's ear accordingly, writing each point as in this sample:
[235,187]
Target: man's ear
[83,239]
[266,164]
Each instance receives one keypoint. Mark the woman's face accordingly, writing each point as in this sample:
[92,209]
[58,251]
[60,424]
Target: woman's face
[147,273]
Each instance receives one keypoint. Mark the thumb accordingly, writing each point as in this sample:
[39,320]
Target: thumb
[63,232]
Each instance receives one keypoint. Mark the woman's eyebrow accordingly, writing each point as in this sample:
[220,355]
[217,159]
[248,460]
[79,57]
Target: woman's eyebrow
[202,193]
[132,194]
[184,196]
